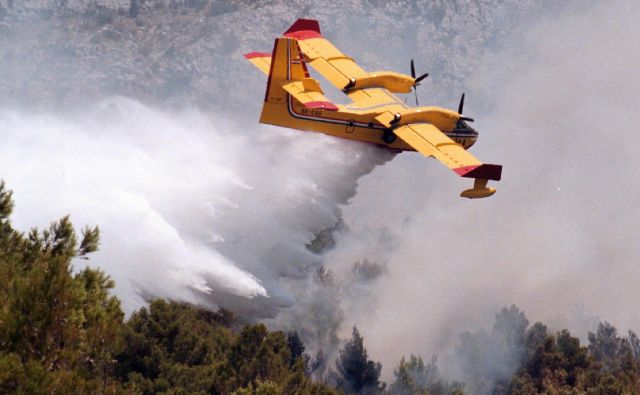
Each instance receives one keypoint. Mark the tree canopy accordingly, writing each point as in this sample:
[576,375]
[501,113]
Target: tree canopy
[356,373]
[62,331]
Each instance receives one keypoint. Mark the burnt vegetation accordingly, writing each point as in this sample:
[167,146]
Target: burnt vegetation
[62,331]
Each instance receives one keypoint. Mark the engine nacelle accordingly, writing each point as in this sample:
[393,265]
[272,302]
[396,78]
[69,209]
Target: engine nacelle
[390,80]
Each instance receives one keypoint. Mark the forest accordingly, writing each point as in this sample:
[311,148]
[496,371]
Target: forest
[63,331]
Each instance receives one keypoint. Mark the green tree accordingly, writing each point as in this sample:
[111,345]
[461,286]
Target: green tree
[413,377]
[171,346]
[296,346]
[177,347]
[558,364]
[62,332]
[488,360]
[613,351]
[356,374]
[616,355]
[58,330]
[634,343]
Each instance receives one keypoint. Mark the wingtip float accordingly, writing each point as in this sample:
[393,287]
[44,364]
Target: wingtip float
[295,100]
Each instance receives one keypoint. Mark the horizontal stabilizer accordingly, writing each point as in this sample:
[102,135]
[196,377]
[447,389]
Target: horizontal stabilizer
[261,60]
[306,93]
[252,55]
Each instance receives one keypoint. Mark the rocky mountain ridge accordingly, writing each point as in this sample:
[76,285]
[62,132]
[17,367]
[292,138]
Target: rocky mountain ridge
[189,52]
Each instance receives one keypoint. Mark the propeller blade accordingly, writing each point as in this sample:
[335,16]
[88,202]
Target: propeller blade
[461,106]
[423,76]
[417,80]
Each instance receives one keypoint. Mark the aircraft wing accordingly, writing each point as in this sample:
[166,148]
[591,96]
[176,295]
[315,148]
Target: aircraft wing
[325,58]
[322,55]
[430,141]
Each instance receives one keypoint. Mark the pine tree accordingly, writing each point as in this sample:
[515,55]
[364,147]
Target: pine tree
[61,331]
[413,377]
[356,373]
[58,330]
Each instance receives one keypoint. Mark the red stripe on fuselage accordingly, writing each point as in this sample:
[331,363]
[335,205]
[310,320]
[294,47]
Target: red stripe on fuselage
[326,105]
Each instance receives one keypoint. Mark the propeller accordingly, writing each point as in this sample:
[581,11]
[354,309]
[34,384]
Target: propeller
[416,83]
[460,108]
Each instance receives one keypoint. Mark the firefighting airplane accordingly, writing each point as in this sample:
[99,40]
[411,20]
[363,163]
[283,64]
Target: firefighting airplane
[295,100]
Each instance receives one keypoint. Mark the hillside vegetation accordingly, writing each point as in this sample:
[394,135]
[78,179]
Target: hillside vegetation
[62,331]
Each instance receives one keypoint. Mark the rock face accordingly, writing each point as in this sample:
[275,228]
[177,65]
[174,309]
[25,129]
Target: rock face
[189,52]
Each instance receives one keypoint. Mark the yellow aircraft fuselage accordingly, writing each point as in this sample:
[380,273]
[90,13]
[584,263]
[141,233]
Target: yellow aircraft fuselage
[357,122]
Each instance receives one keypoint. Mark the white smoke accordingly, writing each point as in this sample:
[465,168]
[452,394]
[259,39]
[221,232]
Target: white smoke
[191,207]
[557,239]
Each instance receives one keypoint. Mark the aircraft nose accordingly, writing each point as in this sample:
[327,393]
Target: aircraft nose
[463,134]
[462,127]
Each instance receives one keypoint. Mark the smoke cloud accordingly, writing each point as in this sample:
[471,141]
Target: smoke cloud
[191,207]
[557,239]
